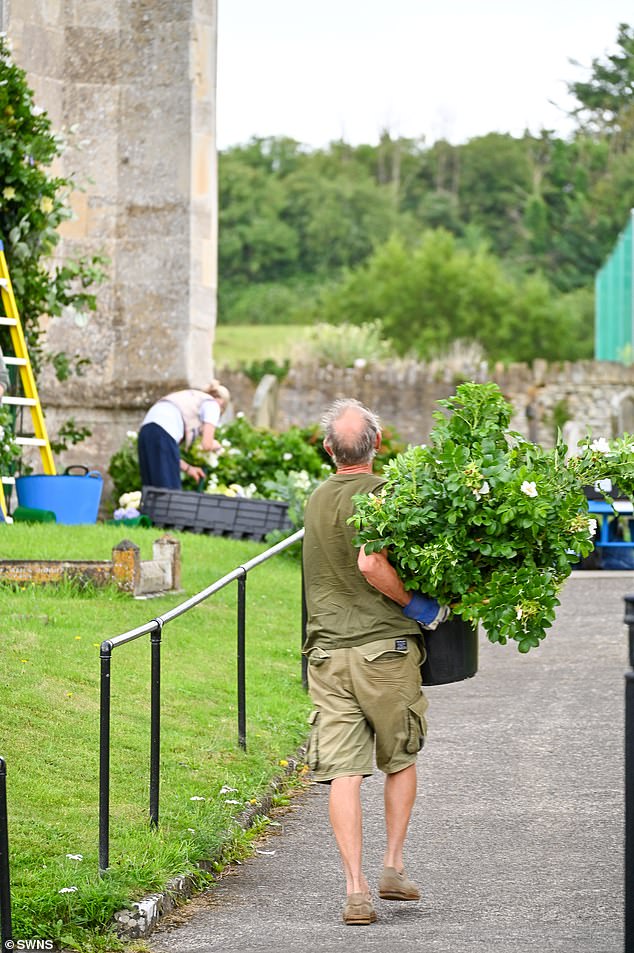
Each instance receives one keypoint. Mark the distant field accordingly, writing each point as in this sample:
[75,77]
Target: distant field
[242,344]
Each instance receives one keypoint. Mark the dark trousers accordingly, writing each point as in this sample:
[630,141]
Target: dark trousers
[159,458]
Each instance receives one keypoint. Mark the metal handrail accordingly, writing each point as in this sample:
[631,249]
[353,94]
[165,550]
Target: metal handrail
[154,628]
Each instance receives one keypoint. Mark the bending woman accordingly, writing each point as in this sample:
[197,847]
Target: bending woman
[178,419]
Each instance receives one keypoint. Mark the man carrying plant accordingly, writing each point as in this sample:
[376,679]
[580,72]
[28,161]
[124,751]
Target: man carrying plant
[364,654]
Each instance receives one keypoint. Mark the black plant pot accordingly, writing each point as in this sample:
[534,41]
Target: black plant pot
[452,653]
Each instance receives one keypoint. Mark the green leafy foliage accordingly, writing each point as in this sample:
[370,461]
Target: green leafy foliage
[69,434]
[124,467]
[438,291]
[256,370]
[486,521]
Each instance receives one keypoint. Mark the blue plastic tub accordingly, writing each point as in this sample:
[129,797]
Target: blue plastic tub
[74,498]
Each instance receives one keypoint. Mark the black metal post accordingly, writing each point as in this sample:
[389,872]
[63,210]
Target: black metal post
[155,723]
[5,880]
[304,620]
[104,757]
[242,705]
[629,781]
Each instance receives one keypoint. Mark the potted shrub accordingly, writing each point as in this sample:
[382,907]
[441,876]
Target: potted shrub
[486,521]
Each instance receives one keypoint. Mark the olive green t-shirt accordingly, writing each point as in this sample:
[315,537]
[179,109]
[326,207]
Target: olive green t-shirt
[343,609]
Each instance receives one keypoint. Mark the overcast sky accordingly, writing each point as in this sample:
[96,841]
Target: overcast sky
[321,70]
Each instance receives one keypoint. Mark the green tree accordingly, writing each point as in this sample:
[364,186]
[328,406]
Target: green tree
[338,220]
[255,243]
[439,291]
[494,184]
[608,93]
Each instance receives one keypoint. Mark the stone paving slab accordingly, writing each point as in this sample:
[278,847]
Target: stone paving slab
[517,833]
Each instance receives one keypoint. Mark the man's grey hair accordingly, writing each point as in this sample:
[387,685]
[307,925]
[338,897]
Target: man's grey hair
[347,451]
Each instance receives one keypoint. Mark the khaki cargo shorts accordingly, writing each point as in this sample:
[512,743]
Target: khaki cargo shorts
[364,695]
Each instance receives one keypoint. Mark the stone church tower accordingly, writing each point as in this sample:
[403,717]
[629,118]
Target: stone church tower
[134,83]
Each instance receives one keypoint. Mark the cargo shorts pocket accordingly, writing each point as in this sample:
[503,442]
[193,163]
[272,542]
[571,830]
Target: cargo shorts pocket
[317,656]
[312,749]
[416,725]
[385,650]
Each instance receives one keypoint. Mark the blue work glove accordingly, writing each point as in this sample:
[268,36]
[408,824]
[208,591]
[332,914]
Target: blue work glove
[426,611]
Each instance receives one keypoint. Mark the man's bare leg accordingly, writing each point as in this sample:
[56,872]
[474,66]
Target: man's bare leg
[399,796]
[346,821]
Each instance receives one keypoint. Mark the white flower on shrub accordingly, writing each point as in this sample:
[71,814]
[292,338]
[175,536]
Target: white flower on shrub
[592,527]
[600,446]
[529,488]
[482,491]
[287,456]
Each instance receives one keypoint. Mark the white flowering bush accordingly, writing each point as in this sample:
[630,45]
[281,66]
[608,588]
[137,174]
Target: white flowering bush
[251,456]
[486,521]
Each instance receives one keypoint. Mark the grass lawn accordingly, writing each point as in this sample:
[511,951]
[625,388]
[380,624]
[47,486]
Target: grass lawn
[237,344]
[49,734]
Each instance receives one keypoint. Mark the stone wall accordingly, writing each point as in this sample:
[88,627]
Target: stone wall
[132,82]
[592,396]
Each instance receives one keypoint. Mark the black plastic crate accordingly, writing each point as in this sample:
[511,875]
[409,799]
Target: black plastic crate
[214,513]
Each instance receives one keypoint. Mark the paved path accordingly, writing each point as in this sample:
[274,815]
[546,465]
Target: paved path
[517,833]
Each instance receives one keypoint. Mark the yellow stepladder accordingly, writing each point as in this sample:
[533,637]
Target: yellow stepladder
[20,358]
